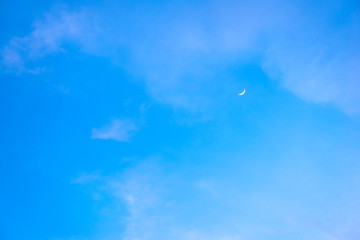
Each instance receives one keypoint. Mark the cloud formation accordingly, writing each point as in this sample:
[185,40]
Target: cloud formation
[180,52]
[49,36]
[119,130]
[162,206]
[144,191]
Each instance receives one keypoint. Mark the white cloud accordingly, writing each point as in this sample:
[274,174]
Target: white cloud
[119,130]
[182,52]
[143,190]
[58,27]
[318,61]
[161,206]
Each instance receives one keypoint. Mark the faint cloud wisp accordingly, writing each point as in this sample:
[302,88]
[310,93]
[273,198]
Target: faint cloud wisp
[119,130]
[50,33]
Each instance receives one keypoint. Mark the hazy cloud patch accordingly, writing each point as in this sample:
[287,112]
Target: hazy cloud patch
[181,52]
[50,33]
[119,130]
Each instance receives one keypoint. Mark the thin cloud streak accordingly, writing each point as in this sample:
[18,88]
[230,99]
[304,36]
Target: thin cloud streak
[119,130]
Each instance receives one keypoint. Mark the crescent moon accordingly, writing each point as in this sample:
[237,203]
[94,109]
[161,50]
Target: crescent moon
[242,93]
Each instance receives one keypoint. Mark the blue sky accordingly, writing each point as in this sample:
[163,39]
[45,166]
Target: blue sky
[121,120]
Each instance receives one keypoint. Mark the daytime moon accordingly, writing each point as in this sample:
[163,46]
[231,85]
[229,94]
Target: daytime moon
[242,93]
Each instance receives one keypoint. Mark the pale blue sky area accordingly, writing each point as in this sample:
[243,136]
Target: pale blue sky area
[122,120]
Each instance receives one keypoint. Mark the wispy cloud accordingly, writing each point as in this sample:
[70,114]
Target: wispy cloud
[144,191]
[161,206]
[56,28]
[180,53]
[140,190]
[119,130]
[318,62]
